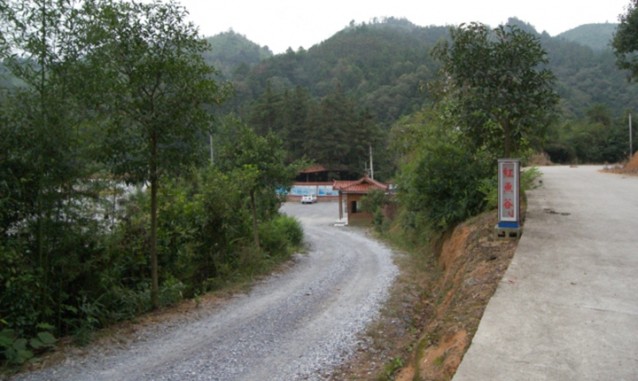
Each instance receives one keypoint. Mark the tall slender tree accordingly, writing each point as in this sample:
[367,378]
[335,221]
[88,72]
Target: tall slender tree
[146,60]
[263,160]
[42,163]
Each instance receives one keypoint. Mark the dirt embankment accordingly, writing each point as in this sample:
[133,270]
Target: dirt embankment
[472,262]
[435,307]
[631,168]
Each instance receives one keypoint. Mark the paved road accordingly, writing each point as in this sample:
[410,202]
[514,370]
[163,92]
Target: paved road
[295,325]
[567,307]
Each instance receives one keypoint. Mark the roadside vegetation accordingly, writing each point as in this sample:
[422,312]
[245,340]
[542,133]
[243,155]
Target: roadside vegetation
[446,178]
[443,216]
[113,202]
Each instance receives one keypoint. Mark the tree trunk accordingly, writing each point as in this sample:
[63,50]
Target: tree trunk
[508,141]
[253,206]
[153,248]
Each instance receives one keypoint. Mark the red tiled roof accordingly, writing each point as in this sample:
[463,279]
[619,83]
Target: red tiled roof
[342,184]
[363,185]
[314,169]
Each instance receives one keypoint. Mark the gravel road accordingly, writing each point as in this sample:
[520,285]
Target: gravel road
[295,325]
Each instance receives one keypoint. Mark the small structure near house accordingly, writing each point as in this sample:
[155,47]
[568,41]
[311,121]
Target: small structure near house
[352,192]
[314,174]
[315,181]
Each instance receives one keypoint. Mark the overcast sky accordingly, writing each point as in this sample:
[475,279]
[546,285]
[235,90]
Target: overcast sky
[280,24]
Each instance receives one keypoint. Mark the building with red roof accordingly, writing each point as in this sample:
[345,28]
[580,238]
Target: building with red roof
[353,191]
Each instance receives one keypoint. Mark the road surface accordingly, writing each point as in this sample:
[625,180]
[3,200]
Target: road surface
[295,325]
[567,307]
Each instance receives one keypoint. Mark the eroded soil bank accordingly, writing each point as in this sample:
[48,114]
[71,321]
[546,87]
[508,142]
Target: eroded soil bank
[436,307]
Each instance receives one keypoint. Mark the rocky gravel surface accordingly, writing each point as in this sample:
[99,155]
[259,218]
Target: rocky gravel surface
[296,325]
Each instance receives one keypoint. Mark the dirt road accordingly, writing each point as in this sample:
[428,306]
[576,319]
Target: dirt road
[295,325]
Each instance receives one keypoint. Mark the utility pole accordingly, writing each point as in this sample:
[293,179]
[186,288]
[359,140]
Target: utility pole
[371,164]
[631,145]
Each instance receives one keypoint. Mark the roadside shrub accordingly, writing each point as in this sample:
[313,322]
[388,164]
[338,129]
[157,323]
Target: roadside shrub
[123,303]
[293,230]
[280,236]
[87,316]
[489,186]
[560,153]
[17,350]
[18,280]
[89,274]
[443,183]
[171,292]
[374,202]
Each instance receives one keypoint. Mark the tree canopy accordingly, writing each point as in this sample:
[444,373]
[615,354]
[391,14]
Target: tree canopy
[108,204]
[625,42]
[499,93]
[148,61]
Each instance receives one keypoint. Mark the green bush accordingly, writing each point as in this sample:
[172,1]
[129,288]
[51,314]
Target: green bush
[123,303]
[171,292]
[19,280]
[560,153]
[443,182]
[293,230]
[88,277]
[280,236]
[374,202]
[489,186]
[17,350]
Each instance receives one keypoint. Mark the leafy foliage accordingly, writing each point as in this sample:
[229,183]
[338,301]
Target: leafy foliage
[383,65]
[263,159]
[16,350]
[383,68]
[625,41]
[373,203]
[440,174]
[597,138]
[149,62]
[316,130]
[280,235]
[493,102]
[230,51]
[499,95]
[111,92]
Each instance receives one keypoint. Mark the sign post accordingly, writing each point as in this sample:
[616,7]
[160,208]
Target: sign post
[509,200]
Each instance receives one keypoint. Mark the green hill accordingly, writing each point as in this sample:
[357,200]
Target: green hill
[231,51]
[595,36]
[383,65]
[386,67]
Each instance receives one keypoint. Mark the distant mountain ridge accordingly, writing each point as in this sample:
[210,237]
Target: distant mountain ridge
[386,66]
[595,36]
[231,50]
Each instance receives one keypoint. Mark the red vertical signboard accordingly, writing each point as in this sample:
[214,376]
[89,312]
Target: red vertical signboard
[509,174]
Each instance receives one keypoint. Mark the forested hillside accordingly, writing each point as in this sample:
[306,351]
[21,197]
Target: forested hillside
[233,52]
[595,36]
[384,68]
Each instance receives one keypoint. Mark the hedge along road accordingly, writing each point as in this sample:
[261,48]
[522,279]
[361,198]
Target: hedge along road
[295,325]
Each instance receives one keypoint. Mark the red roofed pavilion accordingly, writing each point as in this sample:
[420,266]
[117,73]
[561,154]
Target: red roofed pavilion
[354,190]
